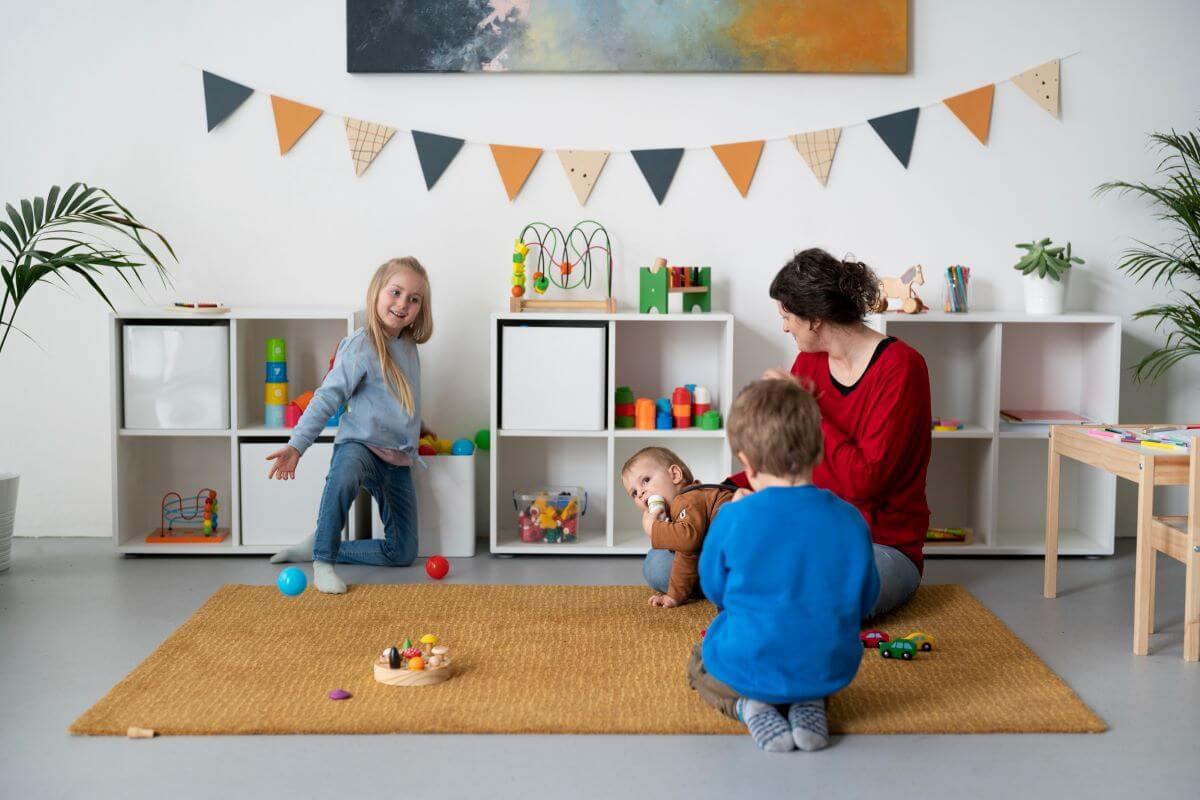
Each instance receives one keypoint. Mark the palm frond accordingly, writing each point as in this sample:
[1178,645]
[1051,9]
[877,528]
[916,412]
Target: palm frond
[61,236]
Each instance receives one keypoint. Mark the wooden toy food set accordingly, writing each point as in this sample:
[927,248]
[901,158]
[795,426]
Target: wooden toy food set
[424,664]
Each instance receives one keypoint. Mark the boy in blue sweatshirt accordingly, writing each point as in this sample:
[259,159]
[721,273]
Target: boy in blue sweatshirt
[791,570]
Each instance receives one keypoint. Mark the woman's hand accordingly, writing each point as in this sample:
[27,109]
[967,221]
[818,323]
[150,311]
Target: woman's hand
[740,493]
[663,601]
[284,468]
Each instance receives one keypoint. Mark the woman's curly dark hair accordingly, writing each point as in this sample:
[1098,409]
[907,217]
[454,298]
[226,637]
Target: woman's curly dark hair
[816,286]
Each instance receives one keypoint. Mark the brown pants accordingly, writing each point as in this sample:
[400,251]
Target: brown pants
[711,690]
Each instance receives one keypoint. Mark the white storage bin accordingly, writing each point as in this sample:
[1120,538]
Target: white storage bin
[281,512]
[552,377]
[445,507]
[176,376]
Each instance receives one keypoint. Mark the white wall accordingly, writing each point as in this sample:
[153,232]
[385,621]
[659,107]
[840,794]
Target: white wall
[111,94]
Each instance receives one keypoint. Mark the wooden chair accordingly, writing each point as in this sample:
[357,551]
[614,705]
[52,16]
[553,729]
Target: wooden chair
[1179,538]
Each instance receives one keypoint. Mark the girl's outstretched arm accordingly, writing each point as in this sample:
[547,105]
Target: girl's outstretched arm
[285,459]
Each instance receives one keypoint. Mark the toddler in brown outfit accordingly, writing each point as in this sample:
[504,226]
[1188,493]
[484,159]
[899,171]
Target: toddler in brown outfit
[676,530]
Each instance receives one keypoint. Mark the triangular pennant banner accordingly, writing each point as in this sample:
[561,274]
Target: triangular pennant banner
[292,119]
[515,164]
[222,97]
[1041,83]
[583,169]
[740,161]
[658,168]
[897,131]
[974,108]
[818,148]
[366,140]
[435,153]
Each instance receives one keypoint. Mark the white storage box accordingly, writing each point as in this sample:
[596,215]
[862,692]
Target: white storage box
[176,376]
[552,377]
[445,507]
[281,512]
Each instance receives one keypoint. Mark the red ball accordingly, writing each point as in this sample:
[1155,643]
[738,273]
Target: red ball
[437,567]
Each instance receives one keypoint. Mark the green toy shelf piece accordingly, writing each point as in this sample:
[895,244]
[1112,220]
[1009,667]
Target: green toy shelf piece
[655,287]
[710,421]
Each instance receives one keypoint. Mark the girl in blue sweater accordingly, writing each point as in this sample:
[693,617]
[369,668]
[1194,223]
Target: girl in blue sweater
[377,374]
[792,571]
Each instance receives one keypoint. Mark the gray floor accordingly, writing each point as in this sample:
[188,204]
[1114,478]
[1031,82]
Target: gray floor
[75,618]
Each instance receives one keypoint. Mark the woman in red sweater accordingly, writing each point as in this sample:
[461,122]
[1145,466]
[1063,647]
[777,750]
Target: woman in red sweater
[873,391]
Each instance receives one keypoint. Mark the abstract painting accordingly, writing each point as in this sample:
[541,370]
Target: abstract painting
[627,36]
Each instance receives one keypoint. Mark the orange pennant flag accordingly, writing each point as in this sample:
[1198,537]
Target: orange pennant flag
[740,161]
[974,108]
[292,120]
[1041,83]
[515,164]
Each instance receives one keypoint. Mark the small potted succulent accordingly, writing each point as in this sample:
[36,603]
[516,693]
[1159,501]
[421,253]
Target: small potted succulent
[1045,270]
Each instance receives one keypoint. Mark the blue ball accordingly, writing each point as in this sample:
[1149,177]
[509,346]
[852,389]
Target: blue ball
[462,447]
[292,581]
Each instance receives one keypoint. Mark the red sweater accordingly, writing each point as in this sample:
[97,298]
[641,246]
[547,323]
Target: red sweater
[877,443]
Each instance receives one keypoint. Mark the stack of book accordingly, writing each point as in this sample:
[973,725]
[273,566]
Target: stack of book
[1021,416]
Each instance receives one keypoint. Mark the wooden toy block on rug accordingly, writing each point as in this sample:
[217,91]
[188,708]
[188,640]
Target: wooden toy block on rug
[657,283]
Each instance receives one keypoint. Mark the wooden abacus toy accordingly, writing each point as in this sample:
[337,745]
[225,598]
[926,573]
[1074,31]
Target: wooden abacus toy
[407,665]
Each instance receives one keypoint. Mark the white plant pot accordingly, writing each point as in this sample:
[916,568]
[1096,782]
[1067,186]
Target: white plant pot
[8,513]
[1045,296]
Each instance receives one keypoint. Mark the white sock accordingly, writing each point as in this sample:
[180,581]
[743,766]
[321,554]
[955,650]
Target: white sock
[300,551]
[767,726]
[326,579]
[810,728]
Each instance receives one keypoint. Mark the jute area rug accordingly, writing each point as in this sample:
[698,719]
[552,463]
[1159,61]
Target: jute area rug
[547,659]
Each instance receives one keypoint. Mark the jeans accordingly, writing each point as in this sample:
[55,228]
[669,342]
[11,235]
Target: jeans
[898,576]
[353,467]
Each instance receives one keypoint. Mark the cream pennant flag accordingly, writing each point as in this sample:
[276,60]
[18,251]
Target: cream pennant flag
[583,169]
[366,140]
[817,148]
[1041,83]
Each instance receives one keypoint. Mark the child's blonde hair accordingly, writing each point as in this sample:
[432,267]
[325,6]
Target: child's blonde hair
[776,425]
[419,330]
[662,457]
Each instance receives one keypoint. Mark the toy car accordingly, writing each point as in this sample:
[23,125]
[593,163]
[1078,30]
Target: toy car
[901,648]
[923,641]
[873,637]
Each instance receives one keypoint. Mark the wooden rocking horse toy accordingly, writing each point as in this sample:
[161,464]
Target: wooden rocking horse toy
[902,289]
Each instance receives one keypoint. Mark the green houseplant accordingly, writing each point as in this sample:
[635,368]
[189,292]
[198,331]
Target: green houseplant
[55,238]
[1045,270]
[1177,202]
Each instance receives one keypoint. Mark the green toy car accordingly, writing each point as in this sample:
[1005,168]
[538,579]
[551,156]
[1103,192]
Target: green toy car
[901,648]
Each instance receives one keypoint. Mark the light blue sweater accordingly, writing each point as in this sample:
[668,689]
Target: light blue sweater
[373,414]
[793,572]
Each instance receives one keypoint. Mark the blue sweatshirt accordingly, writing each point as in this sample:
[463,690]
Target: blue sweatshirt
[793,572]
[373,414]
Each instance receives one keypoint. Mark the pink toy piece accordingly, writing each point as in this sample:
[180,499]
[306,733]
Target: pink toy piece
[292,414]
[340,694]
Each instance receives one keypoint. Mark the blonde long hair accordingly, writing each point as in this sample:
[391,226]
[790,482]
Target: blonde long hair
[419,330]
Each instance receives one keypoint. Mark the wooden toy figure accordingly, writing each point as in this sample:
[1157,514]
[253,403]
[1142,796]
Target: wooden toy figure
[902,289]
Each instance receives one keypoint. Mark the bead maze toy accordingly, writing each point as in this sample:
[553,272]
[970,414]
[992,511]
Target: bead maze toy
[190,521]
[565,262]
[902,289]
[658,282]
[409,665]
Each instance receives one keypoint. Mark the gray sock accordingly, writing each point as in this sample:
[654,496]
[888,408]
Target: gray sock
[326,579]
[300,551]
[810,728]
[767,726]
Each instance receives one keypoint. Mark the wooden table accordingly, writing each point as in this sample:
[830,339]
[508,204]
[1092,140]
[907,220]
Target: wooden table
[1174,536]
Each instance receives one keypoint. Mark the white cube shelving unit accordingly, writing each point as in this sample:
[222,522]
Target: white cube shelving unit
[991,476]
[652,354]
[147,463]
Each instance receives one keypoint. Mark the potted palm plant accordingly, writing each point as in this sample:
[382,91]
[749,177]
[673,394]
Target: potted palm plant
[1045,270]
[1177,202]
[58,237]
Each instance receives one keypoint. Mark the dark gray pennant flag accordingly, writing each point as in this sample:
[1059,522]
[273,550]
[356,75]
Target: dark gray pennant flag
[222,97]
[435,154]
[658,167]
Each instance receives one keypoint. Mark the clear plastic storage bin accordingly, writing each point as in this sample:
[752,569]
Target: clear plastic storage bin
[550,514]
